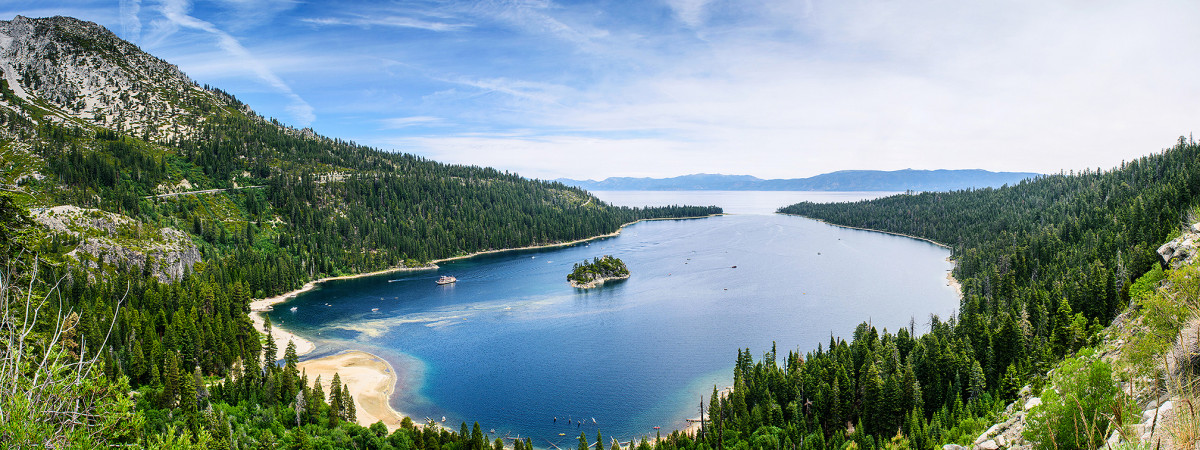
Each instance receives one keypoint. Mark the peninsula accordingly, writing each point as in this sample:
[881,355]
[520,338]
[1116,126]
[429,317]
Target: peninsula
[594,273]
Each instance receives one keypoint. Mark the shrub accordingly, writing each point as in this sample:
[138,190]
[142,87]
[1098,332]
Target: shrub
[1081,408]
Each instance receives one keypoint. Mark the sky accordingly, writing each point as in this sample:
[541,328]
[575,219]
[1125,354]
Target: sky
[659,88]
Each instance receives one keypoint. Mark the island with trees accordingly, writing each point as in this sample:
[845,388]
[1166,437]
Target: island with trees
[594,273]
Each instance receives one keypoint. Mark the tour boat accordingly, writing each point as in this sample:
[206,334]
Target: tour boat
[446,279]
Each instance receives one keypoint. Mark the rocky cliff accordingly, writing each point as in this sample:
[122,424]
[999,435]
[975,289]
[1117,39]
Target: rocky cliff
[77,71]
[105,238]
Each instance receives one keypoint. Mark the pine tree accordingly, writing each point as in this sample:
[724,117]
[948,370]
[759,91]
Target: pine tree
[335,399]
[477,439]
[1011,383]
[1063,340]
[873,401]
[291,375]
[137,362]
[172,383]
[890,407]
[911,397]
[271,352]
[201,390]
[583,443]
[349,411]
[187,395]
[977,383]
[316,401]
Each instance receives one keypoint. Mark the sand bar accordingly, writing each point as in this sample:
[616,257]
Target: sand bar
[371,380]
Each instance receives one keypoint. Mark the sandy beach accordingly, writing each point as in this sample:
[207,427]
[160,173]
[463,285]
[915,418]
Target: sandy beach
[953,282]
[371,380]
[282,337]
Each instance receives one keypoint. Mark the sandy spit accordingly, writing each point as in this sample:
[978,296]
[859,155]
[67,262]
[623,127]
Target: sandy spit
[371,380]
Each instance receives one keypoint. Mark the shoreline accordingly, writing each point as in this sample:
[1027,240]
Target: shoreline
[282,335]
[931,241]
[366,371]
[596,283]
[565,244]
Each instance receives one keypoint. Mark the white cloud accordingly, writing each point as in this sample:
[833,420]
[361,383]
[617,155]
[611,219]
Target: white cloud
[534,16]
[244,14]
[863,84]
[131,25]
[690,12]
[405,122]
[388,21]
[541,93]
[176,14]
[552,156]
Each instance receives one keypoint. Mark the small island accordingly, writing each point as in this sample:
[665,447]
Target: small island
[594,273]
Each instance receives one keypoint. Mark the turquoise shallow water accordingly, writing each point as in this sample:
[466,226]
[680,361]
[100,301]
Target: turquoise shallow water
[513,346]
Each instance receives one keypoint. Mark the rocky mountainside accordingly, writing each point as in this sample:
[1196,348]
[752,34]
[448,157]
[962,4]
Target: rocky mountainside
[78,72]
[128,163]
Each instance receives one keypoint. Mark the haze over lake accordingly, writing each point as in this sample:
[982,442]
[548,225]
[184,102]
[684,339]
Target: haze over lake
[513,346]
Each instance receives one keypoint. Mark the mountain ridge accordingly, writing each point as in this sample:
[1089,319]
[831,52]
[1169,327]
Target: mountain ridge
[842,180]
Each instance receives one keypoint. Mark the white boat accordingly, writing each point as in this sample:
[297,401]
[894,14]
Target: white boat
[446,279]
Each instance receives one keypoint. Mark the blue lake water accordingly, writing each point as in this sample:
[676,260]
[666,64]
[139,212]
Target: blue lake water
[513,346]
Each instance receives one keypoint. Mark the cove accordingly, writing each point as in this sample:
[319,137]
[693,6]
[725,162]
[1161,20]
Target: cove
[513,346]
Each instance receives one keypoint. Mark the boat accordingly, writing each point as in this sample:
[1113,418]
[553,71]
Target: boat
[446,279]
[374,309]
[293,309]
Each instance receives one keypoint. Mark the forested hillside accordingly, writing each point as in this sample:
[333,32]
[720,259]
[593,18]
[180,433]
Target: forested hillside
[1044,265]
[160,208]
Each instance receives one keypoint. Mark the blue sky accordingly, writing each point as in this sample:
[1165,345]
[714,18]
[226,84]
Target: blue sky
[775,89]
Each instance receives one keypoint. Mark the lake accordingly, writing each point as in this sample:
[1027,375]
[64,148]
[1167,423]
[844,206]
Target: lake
[513,346]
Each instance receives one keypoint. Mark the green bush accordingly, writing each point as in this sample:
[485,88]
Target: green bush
[1081,408]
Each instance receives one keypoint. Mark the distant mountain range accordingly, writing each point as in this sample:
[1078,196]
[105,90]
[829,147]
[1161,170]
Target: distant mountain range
[842,180]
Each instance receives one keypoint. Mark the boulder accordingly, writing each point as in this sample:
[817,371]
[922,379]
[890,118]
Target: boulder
[1032,403]
[1181,250]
